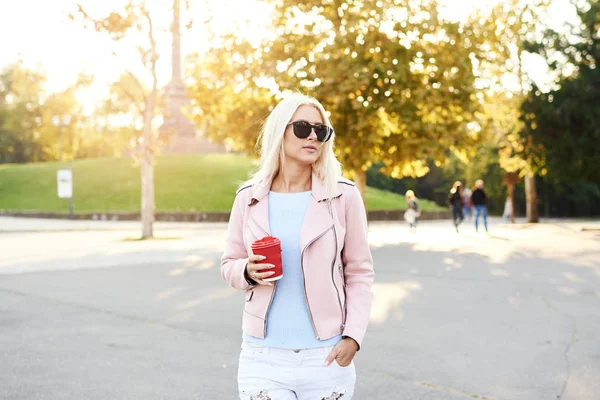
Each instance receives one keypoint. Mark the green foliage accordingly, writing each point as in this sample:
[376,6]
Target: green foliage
[20,114]
[568,199]
[35,125]
[230,106]
[563,125]
[397,80]
[436,184]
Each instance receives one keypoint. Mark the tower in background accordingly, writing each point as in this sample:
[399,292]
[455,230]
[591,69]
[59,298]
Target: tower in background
[181,132]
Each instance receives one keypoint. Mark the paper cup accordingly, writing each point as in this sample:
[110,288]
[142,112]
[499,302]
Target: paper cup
[270,247]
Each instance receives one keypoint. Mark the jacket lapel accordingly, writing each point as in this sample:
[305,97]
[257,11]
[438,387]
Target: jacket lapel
[316,222]
[259,218]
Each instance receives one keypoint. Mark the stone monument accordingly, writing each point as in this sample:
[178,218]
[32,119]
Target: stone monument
[180,131]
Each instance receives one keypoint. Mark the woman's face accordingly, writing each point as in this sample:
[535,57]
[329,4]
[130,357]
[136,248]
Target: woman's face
[303,151]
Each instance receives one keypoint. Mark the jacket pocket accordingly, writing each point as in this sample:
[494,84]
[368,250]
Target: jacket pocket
[249,295]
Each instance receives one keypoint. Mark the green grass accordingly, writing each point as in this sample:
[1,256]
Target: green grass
[185,183]
[383,200]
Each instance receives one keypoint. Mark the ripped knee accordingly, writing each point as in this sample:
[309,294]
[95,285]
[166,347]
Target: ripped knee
[262,395]
[334,396]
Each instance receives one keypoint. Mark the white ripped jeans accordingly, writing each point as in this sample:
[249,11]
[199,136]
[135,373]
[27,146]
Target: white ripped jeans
[267,373]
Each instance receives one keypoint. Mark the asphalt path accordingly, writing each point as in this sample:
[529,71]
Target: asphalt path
[88,313]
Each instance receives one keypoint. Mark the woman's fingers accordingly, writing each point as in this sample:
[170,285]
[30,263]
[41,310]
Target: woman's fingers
[255,257]
[254,270]
[263,275]
[264,283]
[252,267]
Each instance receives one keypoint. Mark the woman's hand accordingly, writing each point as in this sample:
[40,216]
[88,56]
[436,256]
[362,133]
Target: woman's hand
[253,270]
[343,352]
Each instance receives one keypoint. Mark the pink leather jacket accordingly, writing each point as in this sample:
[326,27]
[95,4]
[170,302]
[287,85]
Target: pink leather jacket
[336,260]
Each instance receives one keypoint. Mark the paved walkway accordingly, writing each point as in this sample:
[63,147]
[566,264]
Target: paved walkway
[87,313]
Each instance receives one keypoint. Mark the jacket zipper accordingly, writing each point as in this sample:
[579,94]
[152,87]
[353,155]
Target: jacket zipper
[333,267]
[344,288]
[260,227]
[274,283]
[269,307]
[304,278]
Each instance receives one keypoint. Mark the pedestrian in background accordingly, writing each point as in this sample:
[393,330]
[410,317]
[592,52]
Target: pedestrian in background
[455,200]
[468,205]
[301,332]
[412,213]
[507,214]
[479,199]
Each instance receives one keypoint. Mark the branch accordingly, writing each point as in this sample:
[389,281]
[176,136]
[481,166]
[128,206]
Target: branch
[152,51]
[131,97]
[137,82]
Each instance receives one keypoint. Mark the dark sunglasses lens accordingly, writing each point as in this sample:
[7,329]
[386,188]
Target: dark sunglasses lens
[302,130]
[322,132]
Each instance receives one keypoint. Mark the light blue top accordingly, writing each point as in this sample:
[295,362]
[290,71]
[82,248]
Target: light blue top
[289,324]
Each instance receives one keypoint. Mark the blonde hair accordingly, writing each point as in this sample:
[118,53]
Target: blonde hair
[410,194]
[456,187]
[270,144]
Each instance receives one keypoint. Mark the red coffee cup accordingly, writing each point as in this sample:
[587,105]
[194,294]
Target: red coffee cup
[270,247]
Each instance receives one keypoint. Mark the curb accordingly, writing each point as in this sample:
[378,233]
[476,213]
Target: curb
[373,215]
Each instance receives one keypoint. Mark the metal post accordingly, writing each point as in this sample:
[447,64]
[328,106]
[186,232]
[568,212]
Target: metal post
[60,140]
[71,207]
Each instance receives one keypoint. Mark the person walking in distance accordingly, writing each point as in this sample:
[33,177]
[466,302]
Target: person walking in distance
[302,331]
[455,200]
[480,203]
[507,214]
[467,204]
[412,213]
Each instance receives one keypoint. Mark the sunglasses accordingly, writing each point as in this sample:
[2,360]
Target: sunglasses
[302,130]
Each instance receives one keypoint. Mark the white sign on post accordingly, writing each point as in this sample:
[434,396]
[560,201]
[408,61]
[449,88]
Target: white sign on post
[65,183]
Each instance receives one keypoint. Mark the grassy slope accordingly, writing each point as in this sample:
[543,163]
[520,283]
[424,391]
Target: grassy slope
[182,183]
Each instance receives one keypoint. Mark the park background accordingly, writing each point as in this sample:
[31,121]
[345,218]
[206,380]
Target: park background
[421,93]
[155,107]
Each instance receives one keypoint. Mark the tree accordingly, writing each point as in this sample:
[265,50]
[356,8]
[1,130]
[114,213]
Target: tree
[64,123]
[564,123]
[397,79]
[229,105]
[36,125]
[133,21]
[21,92]
[505,30]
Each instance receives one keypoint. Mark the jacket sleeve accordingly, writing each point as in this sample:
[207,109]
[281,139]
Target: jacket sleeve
[235,256]
[358,269]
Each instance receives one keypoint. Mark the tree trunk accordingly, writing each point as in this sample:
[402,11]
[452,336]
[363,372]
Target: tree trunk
[148,169]
[360,178]
[531,195]
[511,196]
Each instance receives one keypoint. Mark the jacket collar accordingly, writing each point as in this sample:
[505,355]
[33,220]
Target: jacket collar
[318,220]
[318,190]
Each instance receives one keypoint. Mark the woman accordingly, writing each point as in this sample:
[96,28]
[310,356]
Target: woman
[479,199]
[468,205]
[301,333]
[455,199]
[412,214]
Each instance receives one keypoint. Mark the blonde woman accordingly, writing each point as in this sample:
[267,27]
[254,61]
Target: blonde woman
[456,202]
[300,333]
[412,213]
